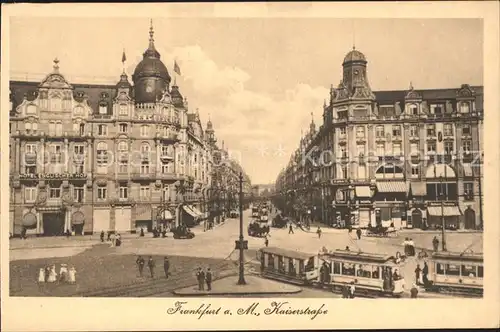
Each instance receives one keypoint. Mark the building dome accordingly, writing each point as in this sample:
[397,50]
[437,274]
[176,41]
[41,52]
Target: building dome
[123,83]
[151,77]
[354,56]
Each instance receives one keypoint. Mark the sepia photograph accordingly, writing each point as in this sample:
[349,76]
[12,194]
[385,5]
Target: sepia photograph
[272,159]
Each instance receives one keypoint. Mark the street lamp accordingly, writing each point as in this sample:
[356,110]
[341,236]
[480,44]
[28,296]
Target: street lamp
[442,196]
[350,198]
[241,244]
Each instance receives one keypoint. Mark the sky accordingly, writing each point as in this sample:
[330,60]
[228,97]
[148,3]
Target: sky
[257,79]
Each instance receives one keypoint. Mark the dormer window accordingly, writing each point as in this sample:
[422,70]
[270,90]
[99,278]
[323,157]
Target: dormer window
[103,109]
[413,109]
[123,110]
[464,108]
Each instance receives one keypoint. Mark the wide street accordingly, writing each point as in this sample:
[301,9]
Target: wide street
[101,267]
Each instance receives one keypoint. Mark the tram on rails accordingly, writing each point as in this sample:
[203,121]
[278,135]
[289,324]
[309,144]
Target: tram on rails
[456,273]
[370,273]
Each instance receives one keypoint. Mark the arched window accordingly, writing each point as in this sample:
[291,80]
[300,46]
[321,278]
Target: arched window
[122,146]
[464,107]
[413,109]
[437,171]
[102,154]
[82,129]
[145,148]
[389,171]
[59,128]
[144,131]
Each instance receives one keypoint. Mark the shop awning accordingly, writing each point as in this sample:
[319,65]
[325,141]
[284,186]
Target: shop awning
[189,211]
[468,170]
[195,210]
[29,220]
[167,215]
[418,189]
[391,187]
[363,191]
[77,218]
[446,211]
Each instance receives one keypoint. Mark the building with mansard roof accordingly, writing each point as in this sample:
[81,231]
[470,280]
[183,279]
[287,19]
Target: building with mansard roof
[407,158]
[90,158]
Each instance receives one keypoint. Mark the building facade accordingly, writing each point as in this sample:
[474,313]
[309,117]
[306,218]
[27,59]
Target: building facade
[410,158]
[92,158]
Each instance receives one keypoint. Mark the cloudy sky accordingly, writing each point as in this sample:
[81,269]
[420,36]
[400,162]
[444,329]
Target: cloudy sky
[258,78]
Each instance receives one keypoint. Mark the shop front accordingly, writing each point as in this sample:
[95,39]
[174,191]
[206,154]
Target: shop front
[447,214]
[77,223]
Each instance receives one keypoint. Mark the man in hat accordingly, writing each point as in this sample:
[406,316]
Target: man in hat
[166,266]
[151,265]
[200,276]
[208,279]
[140,264]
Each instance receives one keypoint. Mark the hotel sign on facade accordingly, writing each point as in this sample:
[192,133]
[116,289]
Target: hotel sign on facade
[53,176]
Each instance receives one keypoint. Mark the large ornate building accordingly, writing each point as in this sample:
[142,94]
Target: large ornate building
[410,158]
[92,158]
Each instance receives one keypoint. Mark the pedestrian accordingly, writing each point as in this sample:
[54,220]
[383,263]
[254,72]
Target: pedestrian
[200,275]
[140,264]
[411,247]
[208,279]
[47,273]
[290,229]
[142,232]
[109,236]
[72,275]
[164,233]
[414,291]
[349,227]
[352,289]
[151,265]
[68,233]
[435,243]
[41,275]
[23,233]
[418,270]
[266,241]
[345,292]
[166,267]
[358,233]
[405,245]
[63,273]
[319,232]
[425,272]
[102,236]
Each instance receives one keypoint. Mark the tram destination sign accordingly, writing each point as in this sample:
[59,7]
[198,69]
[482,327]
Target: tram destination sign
[54,176]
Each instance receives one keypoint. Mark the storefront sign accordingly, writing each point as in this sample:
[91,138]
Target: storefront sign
[54,176]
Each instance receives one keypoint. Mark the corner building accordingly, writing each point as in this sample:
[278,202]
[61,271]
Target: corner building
[411,158]
[92,158]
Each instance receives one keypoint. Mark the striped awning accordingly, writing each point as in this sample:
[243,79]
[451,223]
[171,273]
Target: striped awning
[195,210]
[167,215]
[188,210]
[446,211]
[391,187]
[363,191]
[468,170]
[418,189]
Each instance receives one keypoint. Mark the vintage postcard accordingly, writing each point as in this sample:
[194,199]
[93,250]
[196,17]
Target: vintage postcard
[235,166]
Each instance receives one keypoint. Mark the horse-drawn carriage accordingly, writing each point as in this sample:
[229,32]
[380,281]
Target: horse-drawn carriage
[182,232]
[279,221]
[257,230]
[379,231]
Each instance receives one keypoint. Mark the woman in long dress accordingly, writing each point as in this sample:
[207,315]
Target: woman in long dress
[41,275]
[63,273]
[72,275]
[52,274]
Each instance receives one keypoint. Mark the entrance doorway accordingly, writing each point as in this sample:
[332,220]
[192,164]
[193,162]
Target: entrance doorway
[416,218]
[53,224]
[470,219]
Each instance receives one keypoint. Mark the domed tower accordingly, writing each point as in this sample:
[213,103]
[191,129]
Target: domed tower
[210,133]
[151,78]
[354,75]
[176,96]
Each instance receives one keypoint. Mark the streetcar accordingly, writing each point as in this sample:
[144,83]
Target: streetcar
[288,265]
[456,273]
[369,272]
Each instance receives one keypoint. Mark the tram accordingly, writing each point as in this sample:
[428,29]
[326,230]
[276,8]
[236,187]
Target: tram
[370,273]
[456,273]
[289,265]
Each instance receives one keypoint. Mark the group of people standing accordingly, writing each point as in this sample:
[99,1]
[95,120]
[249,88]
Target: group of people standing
[49,274]
[140,262]
[409,247]
[204,277]
[115,239]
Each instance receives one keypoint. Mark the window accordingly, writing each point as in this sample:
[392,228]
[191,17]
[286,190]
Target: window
[123,167]
[431,130]
[439,268]
[78,194]
[29,194]
[448,129]
[145,148]
[102,154]
[414,149]
[59,129]
[348,269]
[442,191]
[469,271]
[415,171]
[414,131]
[123,110]
[452,270]
[123,191]
[52,128]
[145,168]
[413,109]
[480,271]
[82,129]
[103,109]
[336,268]
[448,147]
[396,149]
[144,192]
[55,153]
[122,146]
[469,190]
[102,130]
[380,149]
[78,149]
[379,131]
[344,172]
[123,128]
[396,131]
[165,168]
[431,147]
[464,108]
[144,131]
[360,132]
[466,146]
[360,150]
[342,131]
[436,109]
[102,192]
[466,129]
[55,190]
[166,193]
[30,148]
[30,169]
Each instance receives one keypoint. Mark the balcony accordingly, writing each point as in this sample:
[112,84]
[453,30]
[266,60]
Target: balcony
[169,138]
[139,176]
[165,157]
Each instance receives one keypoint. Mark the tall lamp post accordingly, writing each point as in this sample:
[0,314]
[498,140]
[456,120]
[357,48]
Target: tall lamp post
[350,198]
[442,196]
[241,244]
